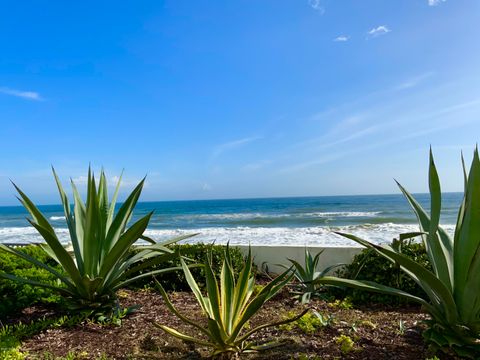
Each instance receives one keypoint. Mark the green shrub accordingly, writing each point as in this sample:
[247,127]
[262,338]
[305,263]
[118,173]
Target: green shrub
[15,296]
[176,281]
[371,266]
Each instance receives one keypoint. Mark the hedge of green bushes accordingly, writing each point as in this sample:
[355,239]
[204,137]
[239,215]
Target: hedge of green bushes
[15,296]
[369,265]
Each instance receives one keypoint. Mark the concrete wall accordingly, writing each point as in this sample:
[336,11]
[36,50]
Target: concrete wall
[272,255]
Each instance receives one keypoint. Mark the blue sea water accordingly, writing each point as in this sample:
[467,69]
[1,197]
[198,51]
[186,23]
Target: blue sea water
[275,221]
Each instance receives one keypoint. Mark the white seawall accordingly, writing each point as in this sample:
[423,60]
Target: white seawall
[274,255]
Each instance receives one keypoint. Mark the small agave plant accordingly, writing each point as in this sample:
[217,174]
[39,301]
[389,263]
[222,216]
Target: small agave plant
[101,262]
[453,287]
[306,275]
[228,306]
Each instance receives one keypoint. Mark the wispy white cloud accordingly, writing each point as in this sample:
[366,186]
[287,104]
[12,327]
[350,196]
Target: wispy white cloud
[398,126]
[222,148]
[337,133]
[414,81]
[342,38]
[435,2]
[317,161]
[316,5]
[378,31]
[30,95]
[206,187]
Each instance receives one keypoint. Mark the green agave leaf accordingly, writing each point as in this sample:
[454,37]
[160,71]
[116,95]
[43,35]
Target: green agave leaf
[372,286]
[176,312]
[216,333]
[33,210]
[272,324]
[181,336]
[303,273]
[80,222]
[243,288]
[328,269]
[147,260]
[121,219]
[194,287]
[277,284]
[250,310]
[91,245]
[62,255]
[227,295]
[316,259]
[103,208]
[439,246]
[445,271]
[437,291]
[467,249]
[70,223]
[123,244]
[267,293]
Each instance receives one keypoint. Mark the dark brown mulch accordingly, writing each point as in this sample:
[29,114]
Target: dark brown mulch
[375,331]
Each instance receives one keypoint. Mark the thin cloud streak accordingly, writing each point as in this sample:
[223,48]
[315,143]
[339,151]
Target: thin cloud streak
[398,139]
[222,148]
[412,82]
[29,95]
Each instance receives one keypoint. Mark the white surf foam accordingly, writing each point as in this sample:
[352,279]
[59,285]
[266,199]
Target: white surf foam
[57,218]
[246,216]
[318,235]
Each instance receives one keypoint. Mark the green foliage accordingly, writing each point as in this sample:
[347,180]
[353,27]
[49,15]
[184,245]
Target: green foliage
[72,355]
[10,348]
[371,266]
[308,323]
[13,353]
[229,306]
[307,273]
[345,304]
[346,343]
[453,285]
[14,295]
[193,253]
[101,261]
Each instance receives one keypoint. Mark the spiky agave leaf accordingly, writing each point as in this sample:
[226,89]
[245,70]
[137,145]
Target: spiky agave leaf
[453,289]
[307,274]
[228,306]
[101,244]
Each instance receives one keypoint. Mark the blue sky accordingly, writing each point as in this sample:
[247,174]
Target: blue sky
[226,99]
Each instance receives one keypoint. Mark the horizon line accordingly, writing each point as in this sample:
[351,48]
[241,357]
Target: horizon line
[258,198]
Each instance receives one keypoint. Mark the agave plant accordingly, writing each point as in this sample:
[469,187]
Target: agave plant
[228,307]
[306,275]
[102,261]
[453,287]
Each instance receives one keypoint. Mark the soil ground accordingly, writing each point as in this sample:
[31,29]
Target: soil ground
[375,330]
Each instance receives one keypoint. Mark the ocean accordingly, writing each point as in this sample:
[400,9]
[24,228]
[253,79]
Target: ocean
[276,221]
